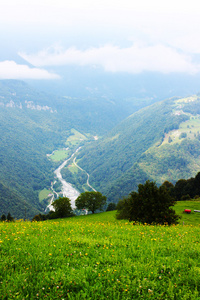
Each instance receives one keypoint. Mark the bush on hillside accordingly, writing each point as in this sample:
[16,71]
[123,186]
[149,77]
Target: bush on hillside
[149,205]
[185,197]
[111,206]
[38,218]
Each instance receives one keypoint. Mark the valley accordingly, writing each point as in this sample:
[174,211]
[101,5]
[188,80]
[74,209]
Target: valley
[119,147]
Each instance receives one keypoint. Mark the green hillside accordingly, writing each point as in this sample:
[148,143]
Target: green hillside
[99,257]
[160,142]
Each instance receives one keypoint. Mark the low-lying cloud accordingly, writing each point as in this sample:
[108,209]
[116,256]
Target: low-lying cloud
[134,59]
[12,70]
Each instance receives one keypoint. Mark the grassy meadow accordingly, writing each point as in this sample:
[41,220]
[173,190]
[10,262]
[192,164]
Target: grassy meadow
[59,155]
[99,257]
[43,194]
[75,138]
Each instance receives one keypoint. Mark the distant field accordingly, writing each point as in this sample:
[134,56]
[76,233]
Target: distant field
[44,194]
[59,155]
[75,138]
[99,257]
[190,127]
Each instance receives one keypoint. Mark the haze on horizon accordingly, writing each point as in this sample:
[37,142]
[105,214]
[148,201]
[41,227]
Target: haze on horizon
[116,37]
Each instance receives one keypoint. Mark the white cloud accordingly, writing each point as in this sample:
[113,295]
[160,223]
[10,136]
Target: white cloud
[134,59]
[168,33]
[11,70]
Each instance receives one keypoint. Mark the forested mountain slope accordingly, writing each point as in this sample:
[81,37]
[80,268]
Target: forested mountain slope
[160,142]
[26,137]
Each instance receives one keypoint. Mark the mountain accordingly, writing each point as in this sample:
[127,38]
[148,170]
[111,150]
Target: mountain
[32,125]
[160,142]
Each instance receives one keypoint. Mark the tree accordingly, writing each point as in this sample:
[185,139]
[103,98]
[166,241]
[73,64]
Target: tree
[169,187]
[182,135]
[90,201]
[149,205]
[169,139]
[10,218]
[3,217]
[62,208]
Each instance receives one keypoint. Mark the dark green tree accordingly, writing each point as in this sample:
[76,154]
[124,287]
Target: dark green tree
[180,188]
[10,218]
[62,208]
[3,217]
[149,205]
[91,201]
[169,187]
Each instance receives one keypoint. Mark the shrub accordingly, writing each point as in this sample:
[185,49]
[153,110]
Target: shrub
[37,218]
[186,197]
[111,206]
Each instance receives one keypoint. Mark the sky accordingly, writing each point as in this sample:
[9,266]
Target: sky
[121,36]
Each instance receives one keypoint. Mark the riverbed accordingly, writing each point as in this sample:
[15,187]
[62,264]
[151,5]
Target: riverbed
[67,189]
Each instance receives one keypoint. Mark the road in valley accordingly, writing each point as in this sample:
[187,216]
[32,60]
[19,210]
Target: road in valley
[74,161]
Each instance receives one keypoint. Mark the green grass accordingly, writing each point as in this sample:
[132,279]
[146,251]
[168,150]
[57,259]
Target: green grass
[59,155]
[75,138]
[188,219]
[44,194]
[98,257]
[73,169]
[191,127]
[187,99]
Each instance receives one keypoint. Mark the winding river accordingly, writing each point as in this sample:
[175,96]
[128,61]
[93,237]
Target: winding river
[67,189]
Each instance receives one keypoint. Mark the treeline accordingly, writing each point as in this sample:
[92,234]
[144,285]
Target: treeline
[7,218]
[184,189]
[86,201]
